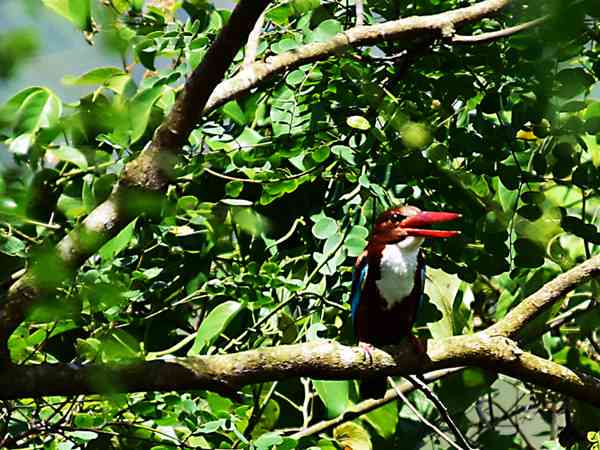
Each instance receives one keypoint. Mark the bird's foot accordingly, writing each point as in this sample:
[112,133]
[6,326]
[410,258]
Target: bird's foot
[419,345]
[367,350]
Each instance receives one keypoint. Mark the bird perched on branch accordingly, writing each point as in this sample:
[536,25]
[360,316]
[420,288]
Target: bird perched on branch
[388,281]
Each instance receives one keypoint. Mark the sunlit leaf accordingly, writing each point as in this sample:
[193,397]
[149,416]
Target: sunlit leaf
[69,154]
[76,11]
[99,75]
[119,243]
[213,325]
[334,394]
[352,436]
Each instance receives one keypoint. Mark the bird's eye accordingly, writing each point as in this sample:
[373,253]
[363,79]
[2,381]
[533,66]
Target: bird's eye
[396,217]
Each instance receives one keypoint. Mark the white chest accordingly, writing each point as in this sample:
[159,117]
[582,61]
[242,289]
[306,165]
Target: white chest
[398,267]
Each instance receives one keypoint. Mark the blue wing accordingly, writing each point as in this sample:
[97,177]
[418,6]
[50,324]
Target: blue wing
[359,275]
[423,276]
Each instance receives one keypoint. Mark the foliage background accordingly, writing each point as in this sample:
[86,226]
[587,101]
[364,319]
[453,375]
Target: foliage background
[257,250]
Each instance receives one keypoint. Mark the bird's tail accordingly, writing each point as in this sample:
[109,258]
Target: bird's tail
[373,387]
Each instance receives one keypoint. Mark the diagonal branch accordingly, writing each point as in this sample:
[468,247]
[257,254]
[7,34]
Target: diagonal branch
[495,35]
[420,383]
[530,308]
[425,421]
[253,41]
[366,406]
[442,24]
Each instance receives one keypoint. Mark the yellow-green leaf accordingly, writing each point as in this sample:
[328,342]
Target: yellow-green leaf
[352,436]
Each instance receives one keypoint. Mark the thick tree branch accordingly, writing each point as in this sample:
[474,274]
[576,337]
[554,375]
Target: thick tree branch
[318,359]
[535,304]
[442,24]
[148,173]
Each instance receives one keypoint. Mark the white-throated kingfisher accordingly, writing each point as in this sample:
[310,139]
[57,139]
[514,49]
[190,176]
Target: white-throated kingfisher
[388,281]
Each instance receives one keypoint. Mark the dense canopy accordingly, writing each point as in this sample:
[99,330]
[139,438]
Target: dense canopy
[176,247]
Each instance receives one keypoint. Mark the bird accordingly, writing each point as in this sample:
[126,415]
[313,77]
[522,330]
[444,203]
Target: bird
[388,282]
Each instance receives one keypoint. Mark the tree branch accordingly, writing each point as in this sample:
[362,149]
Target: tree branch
[421,384]
[317,359]
[425,421]
[495,35]
[253,41]
[359,7]
[366,406]
[535,304]
[420,26]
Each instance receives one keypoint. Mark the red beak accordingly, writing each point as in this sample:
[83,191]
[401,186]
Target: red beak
[411,224]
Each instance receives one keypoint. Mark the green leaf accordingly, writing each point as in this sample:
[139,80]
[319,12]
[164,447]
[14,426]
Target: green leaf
[320,154]
[72,207]
[295,77]
[358,122]
[302,6]
[213,325]
[384,419]
[119,243]
[460,390]
[187,202]
[69,154]
[234,188]
[12,246]
[250,221]
[324,228]
[76,11]
[510,176]
[530,212]
[139,111]
[33,108]
[575,81]
[100,75]
[441,288]
[345,153]
[334,394]
[268,440]
[81,435]
[356,240]
[530,253]
[232,109]
[326,30]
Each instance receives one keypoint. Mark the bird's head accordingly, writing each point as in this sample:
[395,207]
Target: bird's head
[403,225]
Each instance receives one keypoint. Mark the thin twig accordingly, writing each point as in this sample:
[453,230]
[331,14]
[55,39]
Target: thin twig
[360,12]
[253,40]
[251,180]
[494,35]
[516,426]
[421,384]
[366,406]
[414,410]
[569,315]
[258,411]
